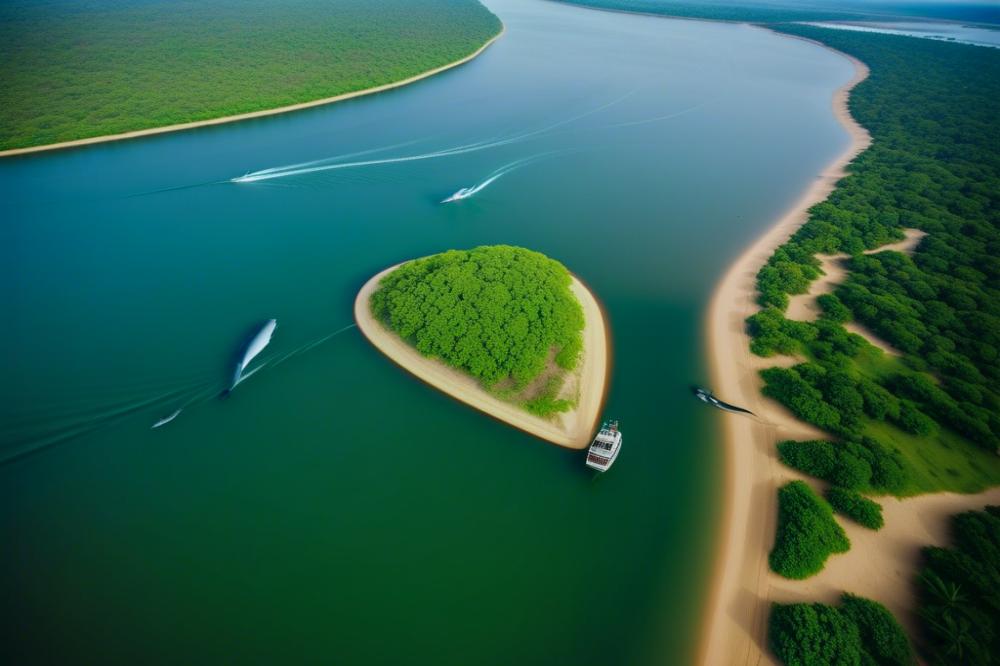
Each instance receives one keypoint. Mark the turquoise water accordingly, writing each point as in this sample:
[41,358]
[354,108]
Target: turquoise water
[333,509]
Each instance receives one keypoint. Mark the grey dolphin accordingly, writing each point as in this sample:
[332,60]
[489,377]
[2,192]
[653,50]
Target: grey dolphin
[254,346]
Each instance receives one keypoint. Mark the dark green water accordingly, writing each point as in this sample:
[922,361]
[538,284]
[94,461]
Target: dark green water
[333,509]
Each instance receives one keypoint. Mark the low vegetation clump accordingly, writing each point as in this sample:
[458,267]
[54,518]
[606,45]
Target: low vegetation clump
[862,465]
[857,507]
[73,70]
[502,314]
[960,593]
[807,533]
[859,631]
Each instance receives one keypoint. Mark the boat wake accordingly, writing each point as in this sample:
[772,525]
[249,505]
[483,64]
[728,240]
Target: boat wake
[334,163]
[467,192]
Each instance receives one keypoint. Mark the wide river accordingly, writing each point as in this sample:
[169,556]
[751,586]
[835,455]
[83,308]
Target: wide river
[333,509]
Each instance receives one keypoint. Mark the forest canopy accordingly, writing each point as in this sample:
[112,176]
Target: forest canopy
[74,69]
[502,314]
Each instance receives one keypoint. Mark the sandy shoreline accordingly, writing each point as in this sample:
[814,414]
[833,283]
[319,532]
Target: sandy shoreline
[734,626]
[252,114]
[572,430]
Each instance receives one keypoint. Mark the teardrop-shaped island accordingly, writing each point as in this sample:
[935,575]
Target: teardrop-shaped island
[506,330]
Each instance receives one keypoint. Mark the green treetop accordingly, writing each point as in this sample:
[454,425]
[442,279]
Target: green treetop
[496,312]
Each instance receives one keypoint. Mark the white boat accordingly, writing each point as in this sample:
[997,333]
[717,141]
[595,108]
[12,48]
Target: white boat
[605,447]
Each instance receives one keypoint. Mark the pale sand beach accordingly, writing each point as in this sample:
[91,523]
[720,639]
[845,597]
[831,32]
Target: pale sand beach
[734,630]
[880,565]
[573,429]
[253,114]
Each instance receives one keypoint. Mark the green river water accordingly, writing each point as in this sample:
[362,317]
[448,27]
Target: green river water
[335,510]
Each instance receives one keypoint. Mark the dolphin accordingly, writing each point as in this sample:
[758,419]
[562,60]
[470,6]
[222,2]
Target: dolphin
[254,346]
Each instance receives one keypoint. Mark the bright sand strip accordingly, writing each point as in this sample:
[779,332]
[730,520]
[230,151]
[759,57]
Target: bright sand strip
[253,114]
[573,429]
[735,627]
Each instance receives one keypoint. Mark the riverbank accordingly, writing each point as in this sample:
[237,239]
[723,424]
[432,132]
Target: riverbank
[572,429]
[734,630]
[253,114]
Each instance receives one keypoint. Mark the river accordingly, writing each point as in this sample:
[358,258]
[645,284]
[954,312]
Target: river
[333,509]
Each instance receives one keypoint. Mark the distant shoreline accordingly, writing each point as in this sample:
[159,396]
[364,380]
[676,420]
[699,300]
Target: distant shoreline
[75,143]
[572,430]
[734,626]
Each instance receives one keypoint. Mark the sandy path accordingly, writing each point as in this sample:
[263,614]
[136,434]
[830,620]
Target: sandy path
[882,565]
[573,429]
[803,307]
[253,114]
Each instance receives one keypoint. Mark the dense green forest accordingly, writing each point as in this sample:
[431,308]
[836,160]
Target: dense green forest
[74,69]
[503,314]
[934,112]
[960,593]
[858,632]
[776,11]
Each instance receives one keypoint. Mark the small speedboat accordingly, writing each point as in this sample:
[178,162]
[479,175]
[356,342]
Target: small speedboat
[604,449]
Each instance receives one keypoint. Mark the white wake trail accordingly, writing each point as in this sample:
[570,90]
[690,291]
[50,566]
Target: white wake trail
[656,119]
[324,165]
[466,192]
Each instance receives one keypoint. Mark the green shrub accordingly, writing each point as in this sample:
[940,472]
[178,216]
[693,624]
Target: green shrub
[806,535]
[860,631]
[813,635]
[879,403]
[833,308]
[856,507]
[840,463]
[772,333]
[788,387]
[913,420]
[883,641]
[854,465]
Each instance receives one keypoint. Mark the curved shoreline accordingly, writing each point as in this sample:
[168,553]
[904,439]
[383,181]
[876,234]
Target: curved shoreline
[134,134]
[572,430]
[734,627]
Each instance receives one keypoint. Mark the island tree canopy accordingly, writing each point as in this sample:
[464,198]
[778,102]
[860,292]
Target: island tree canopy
[498,313]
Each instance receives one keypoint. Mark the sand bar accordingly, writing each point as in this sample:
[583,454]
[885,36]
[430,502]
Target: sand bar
[573,429]
[252,114]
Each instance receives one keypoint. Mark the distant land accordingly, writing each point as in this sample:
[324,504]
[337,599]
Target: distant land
[77,70]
